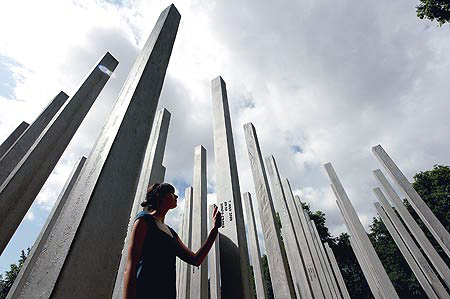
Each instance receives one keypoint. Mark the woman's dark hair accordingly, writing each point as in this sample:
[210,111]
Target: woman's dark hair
[154,193]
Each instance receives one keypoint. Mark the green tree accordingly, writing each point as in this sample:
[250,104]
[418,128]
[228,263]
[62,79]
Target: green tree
[319,219]
[438,10]
[434,188]
[7,281]
[396,267]
[351,271]
[266,273]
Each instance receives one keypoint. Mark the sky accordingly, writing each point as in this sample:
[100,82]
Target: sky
[322,81]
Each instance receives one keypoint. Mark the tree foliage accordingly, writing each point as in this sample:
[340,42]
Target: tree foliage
[434,188]
[7,281]
[266,274]
[438,10]
[351,271]
[397,268]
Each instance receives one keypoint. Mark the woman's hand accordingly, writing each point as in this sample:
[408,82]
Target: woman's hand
[197,258]
[217,218]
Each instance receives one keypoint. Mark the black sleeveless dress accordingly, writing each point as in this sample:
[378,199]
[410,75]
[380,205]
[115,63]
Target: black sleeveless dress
[155,276]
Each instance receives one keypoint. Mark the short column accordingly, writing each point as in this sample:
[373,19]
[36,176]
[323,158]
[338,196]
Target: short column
[199,275]
[261,291]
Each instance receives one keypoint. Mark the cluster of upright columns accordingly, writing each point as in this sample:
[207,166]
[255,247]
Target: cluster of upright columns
[405,232]
[406,237]
[279,271]
[305,282]
[28,162]
[305,269]
[436,228]
[87,230]
[376,276]
[104,192]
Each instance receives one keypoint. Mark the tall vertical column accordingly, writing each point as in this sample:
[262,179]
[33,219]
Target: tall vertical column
[318,261]
[150,173]
[304,242]
[185,269]
[99,206]
[13,137]
[20,148]
[304,274]
[433,224]
[38,246]
[406,254]
[380,274]
[279,271]
[261,291]
[414,228]
[162,173]
[234,263]
[199,275]
[321,289]
[328,272]
[361,258]
[214,263]
[337,272]
[21,186]
[409,242]
[158,139]
[179,261]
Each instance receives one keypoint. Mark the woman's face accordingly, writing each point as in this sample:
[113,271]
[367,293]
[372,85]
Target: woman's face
[170,200]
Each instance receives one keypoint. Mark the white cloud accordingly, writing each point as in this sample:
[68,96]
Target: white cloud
[29,216]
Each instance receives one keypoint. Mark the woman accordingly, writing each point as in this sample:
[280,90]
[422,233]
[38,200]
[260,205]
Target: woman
[150,269]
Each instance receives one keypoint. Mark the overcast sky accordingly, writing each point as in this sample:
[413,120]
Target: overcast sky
[322,81]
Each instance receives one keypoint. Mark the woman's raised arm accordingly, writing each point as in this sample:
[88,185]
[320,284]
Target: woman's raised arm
[197,258]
